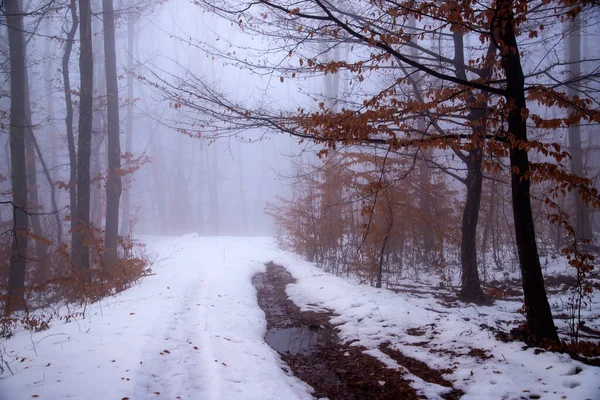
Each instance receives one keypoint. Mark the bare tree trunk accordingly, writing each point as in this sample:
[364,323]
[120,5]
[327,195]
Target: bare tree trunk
[471,285]
[18,126]
[125,219]
[214,191]
[163,224]
[583,229]
[86,68]
[69,123]
[49,140]
[242,196]
[383,245]
[539,316]
[96,193]
[32,188]
[424,173]
[203,212]
[424,176]
[488,229]
[52,191]
[113,180]
[50,129]
[181,212]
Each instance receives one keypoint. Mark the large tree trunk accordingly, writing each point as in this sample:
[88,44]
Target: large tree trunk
[539,316]
[471,284]
[583,228]
[125,223]
[113,180]
[70,133]
[18,126]
[81,250]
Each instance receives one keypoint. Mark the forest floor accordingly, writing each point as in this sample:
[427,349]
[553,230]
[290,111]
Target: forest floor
[237,318]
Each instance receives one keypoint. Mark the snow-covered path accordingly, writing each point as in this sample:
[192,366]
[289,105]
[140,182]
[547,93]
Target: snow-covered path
[194,330]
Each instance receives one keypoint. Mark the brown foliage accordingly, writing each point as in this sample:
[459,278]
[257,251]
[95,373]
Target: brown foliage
[47,300]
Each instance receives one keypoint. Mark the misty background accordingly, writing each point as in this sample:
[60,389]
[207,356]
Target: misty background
[189,179]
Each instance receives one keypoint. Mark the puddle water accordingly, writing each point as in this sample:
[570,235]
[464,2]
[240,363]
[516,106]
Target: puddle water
[300,340]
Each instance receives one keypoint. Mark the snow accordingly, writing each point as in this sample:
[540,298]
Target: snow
[371,316]
[194,330]
[200,306]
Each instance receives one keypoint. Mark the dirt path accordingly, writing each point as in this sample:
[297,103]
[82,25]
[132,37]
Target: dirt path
[309,345]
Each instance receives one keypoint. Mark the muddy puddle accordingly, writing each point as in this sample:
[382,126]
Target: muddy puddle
[310,347]
[299,340]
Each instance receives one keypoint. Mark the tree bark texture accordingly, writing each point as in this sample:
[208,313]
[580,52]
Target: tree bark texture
[81,249]
[32,189]
[18,126]
[471,285]
[125,219]
[113,179]
[69,126]
[539,316]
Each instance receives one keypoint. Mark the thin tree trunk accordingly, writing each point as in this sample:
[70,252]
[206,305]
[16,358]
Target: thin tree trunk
[383,245]
[488,229]
[163,225]
[539,316]
[49,140]
[18,126]
[125,223]
[242,192]
[471,284]
[50,129]
[583,230]
[32,188]
[181,211]
[214,191]
[113,180]
[70,134]
[32,191]
[424,172]
[52,191]
[96,193]
[86,68]
[424,176]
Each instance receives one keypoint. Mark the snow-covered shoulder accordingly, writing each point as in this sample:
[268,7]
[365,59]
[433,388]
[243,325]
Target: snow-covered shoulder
[452,340]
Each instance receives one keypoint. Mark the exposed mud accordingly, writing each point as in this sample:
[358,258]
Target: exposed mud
[309,345]
[422,370]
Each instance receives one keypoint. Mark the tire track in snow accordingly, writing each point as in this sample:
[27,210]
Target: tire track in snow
[177,359]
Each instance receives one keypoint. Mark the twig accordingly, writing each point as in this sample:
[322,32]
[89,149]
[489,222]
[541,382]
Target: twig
[4,362]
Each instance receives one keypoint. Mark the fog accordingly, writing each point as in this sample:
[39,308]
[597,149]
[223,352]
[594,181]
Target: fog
[219,111]
[190,173]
